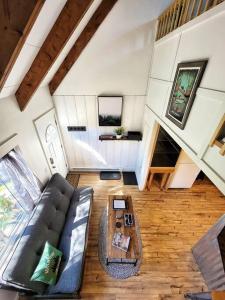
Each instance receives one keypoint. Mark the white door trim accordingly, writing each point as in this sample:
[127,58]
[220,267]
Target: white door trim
[59,133]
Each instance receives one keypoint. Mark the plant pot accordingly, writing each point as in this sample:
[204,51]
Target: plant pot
[119,136]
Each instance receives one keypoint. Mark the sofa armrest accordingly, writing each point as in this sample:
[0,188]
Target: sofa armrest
[85,193]
[86,190]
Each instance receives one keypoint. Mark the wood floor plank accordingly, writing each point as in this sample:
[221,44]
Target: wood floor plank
[171,223]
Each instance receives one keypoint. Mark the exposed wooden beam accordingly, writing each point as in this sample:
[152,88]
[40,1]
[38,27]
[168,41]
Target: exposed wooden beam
[16,20]
[82,41]
[64,26]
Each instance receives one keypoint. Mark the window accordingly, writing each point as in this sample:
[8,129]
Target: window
[19,192]
[12,216]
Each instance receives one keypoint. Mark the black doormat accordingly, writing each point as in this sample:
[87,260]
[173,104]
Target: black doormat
[110,175]
[129,178]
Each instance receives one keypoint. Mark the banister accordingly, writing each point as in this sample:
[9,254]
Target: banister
[181,12]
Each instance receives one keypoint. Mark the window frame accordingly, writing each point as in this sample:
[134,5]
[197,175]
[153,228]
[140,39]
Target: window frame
[9,144]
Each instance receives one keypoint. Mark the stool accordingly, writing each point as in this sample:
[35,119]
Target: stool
[165,171]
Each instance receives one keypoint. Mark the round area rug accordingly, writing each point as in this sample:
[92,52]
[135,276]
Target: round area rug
[116,270]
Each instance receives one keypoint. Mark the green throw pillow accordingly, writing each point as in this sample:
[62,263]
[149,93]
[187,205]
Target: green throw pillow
[48,266]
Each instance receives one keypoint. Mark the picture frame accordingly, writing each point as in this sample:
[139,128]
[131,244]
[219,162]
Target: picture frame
[186,82]
[110,110]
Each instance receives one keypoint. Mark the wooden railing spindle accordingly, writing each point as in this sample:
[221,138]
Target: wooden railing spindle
[192,10]
[187,5]
[173,17]
[199,7]
[180,12]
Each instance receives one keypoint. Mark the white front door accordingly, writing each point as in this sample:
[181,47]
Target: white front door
[50,139]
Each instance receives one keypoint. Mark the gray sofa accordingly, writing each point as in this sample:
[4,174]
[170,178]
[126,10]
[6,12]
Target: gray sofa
[61,218]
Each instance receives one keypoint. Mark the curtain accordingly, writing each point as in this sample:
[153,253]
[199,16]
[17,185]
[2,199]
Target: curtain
[19,180]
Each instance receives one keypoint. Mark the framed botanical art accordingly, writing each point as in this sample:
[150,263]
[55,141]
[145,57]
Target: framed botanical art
[110,110]
[187,79]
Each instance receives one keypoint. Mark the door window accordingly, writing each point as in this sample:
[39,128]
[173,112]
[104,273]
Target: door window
[50,134]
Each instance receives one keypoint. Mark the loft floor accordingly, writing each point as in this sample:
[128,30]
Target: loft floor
[171,223]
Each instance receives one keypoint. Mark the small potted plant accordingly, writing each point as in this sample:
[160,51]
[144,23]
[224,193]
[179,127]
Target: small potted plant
[119,132]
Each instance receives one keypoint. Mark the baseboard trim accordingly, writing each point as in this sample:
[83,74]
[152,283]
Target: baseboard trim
[92,170]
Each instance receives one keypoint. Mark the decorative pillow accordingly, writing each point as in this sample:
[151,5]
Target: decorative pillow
[48,266]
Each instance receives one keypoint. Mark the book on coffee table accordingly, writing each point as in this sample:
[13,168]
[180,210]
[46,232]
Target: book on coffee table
[121,241]
[119,204]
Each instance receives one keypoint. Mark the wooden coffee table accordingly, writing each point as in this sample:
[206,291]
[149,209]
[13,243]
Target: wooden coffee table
[114,254]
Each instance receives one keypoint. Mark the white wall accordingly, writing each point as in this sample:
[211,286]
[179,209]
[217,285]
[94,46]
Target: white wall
[115,62]
[199,39]
[118,56]
[83,149]
[13,121]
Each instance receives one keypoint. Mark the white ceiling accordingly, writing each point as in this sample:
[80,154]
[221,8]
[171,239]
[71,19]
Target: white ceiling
[71,41]
[44,23]
[117,59]
[47,17]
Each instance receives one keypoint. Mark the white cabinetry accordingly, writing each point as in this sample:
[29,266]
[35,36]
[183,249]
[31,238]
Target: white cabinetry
[216,161]
[185,172]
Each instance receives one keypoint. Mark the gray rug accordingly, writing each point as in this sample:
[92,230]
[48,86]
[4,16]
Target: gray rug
[116,270]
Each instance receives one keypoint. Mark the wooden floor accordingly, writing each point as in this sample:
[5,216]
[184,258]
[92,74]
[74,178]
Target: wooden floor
[171,223]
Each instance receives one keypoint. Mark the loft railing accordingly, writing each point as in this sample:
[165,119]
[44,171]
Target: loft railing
[180,12]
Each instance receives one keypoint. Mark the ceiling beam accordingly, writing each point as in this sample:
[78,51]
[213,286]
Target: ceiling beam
[16,21]
[66,23]
[82,41]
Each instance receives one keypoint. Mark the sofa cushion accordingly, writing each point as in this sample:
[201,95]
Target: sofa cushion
[73,242]
[48,266]
[45,224]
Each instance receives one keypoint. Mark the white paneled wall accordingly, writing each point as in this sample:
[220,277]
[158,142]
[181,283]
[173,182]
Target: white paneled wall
[202,38]
[84,150]
[164,56]
[157,94]
[206,41]
[206,112]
